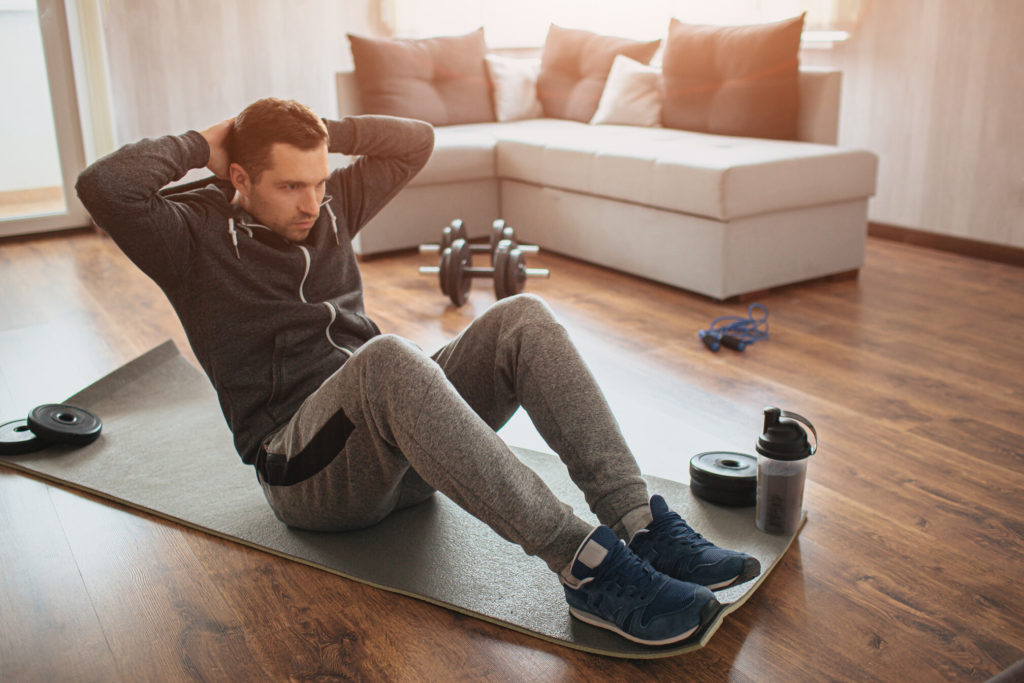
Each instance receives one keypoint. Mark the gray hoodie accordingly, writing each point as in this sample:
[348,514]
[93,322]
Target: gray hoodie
[268,319]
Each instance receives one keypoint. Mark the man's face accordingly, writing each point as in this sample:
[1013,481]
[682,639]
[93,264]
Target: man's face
[286,197]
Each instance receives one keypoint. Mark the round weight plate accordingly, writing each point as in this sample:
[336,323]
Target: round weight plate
[516,272]
[724,477]
[458,230]
[509,269]
[65,424]
[497,234]
[736,499]
[460,281]
[16,438]
[447,237]
[502,262]
[445,268]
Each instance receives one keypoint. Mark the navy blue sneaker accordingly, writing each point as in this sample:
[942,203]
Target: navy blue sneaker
[672,547]
[612,588]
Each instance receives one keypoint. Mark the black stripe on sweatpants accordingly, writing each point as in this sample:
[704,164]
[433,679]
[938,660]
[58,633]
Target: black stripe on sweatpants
[277,470]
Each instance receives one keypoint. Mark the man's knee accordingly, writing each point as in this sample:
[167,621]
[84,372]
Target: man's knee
[526,308]
[389,345]
[391,354]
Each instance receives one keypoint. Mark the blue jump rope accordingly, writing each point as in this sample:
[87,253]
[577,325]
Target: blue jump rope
[736,332]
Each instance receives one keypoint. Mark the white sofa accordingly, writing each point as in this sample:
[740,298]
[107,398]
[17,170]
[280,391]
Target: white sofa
[721,216]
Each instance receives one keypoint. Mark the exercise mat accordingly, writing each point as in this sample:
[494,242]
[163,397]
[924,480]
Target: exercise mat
[166,449]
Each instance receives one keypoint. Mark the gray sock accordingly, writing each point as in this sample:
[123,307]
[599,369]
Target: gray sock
[633,521]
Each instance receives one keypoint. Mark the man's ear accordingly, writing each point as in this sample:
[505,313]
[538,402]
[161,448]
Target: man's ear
[240,179]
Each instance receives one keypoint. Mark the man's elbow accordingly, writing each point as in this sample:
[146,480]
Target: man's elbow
[426,146]
[88,186]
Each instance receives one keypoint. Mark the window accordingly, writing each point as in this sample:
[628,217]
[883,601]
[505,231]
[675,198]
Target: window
[524,23]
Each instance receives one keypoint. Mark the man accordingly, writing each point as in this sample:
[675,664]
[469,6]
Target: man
[344,424]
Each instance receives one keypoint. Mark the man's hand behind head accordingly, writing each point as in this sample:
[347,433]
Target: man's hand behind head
[217,137]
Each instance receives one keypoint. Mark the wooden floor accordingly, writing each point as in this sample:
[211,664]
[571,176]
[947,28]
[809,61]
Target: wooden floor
[909,568]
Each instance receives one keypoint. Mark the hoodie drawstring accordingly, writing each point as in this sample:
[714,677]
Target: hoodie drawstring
[334,219]
[234,236]
[233,231]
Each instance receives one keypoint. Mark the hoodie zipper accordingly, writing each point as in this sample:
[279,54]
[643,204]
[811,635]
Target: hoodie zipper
[233,232]
[328,304]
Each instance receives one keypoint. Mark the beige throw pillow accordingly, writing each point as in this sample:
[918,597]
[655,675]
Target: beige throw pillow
[440,80]
[574,66]
[631,96]
[733,80]
[514,86]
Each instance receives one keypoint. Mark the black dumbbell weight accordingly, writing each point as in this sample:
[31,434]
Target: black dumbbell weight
[453,231]
[457,230]
[510,271]
[456,271]
[499,232]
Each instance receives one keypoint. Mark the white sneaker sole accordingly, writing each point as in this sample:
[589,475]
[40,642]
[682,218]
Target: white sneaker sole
[601,623]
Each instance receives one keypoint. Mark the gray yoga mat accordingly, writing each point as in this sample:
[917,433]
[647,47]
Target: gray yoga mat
[166,449]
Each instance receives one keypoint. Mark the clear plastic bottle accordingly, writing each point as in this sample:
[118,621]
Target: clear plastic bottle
[782,452]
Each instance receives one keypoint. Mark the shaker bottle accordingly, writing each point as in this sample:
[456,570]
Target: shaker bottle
[782,452]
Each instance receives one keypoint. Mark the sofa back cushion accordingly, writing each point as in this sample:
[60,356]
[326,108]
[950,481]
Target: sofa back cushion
[732,80]
[631,96]
[574,66]
[514,83]
[440,80]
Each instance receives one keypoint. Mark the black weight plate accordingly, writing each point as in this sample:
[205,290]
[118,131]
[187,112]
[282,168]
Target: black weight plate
[17,439]
[64,424]
[724,477]
[502,261]
[459,230]
[459,280]
[516,272]
[738,499]
[445,267]
[447,237]
[497,234]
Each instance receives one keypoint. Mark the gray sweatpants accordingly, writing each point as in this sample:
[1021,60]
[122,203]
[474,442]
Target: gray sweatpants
[423,423]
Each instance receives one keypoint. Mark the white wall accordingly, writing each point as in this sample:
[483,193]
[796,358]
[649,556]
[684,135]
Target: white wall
[27,138]
[936,89]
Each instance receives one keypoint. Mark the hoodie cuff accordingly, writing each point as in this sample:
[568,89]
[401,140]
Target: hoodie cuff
[197,149]
[342,135]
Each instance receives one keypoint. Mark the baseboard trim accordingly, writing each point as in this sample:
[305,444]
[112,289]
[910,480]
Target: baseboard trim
[987,251]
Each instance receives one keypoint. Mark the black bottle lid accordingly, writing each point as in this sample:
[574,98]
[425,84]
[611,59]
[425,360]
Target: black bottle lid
[784,438]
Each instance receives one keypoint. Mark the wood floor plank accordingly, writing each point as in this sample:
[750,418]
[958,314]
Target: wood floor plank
[163,618]
[49,629]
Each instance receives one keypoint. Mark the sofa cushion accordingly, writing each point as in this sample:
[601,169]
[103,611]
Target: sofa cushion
[574,66]
[514,86]
[631,95]
[695,173]
[732,80]
[440,80]
[461,153]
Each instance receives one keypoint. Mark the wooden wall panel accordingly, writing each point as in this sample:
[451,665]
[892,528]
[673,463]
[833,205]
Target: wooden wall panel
[935,88]
[180,64]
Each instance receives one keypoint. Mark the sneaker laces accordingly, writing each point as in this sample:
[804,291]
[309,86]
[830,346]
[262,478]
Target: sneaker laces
[673,526]
[624,574]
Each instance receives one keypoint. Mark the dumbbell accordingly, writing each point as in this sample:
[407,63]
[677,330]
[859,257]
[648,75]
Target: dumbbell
[456,271]
[457,230]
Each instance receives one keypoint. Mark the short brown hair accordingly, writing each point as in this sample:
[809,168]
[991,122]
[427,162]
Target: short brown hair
[271,120]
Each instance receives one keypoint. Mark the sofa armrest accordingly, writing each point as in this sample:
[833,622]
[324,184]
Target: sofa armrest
[818,116]
[348,94]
